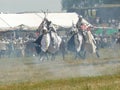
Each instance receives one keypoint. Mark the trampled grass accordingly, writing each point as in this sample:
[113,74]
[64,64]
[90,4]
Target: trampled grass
[29,73]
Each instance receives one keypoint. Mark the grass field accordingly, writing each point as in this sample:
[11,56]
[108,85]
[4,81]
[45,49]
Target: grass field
[83,83]
[29,73]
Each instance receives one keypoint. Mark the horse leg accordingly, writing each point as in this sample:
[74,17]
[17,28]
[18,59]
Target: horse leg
[97,54]
[0,54]
[84,55]
[63,49]
[42,56]
[76,55]
[52,57]
[63,53]
[47,56]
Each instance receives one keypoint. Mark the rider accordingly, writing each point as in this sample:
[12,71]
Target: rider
[84,27]
[81,27]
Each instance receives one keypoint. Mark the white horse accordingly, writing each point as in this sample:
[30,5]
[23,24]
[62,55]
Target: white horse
[89,43]
[50,41]
[75,42]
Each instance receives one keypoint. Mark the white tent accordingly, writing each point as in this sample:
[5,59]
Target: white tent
[33,20]
[62,19]
[14,20]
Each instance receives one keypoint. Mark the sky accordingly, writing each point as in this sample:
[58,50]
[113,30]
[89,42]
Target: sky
[15,6]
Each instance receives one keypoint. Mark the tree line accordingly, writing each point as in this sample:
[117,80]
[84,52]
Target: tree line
[68,4]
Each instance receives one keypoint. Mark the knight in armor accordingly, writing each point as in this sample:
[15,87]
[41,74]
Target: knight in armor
[81,27]
[85,28]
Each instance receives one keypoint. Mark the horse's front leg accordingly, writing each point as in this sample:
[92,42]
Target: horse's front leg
[97,54]
[84,54]
[42,56]
[76,55]
[52,57]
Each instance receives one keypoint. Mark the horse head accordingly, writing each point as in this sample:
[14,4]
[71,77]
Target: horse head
[44,30]
[73,30]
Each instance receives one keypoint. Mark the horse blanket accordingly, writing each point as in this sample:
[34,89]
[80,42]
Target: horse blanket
[71,44]
[90,43]
[54,42]
[45,42]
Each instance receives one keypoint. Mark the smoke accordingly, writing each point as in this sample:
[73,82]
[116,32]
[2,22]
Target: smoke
[63,69]
[32,69]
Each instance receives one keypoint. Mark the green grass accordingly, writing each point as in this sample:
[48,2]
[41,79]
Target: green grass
[83,83]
